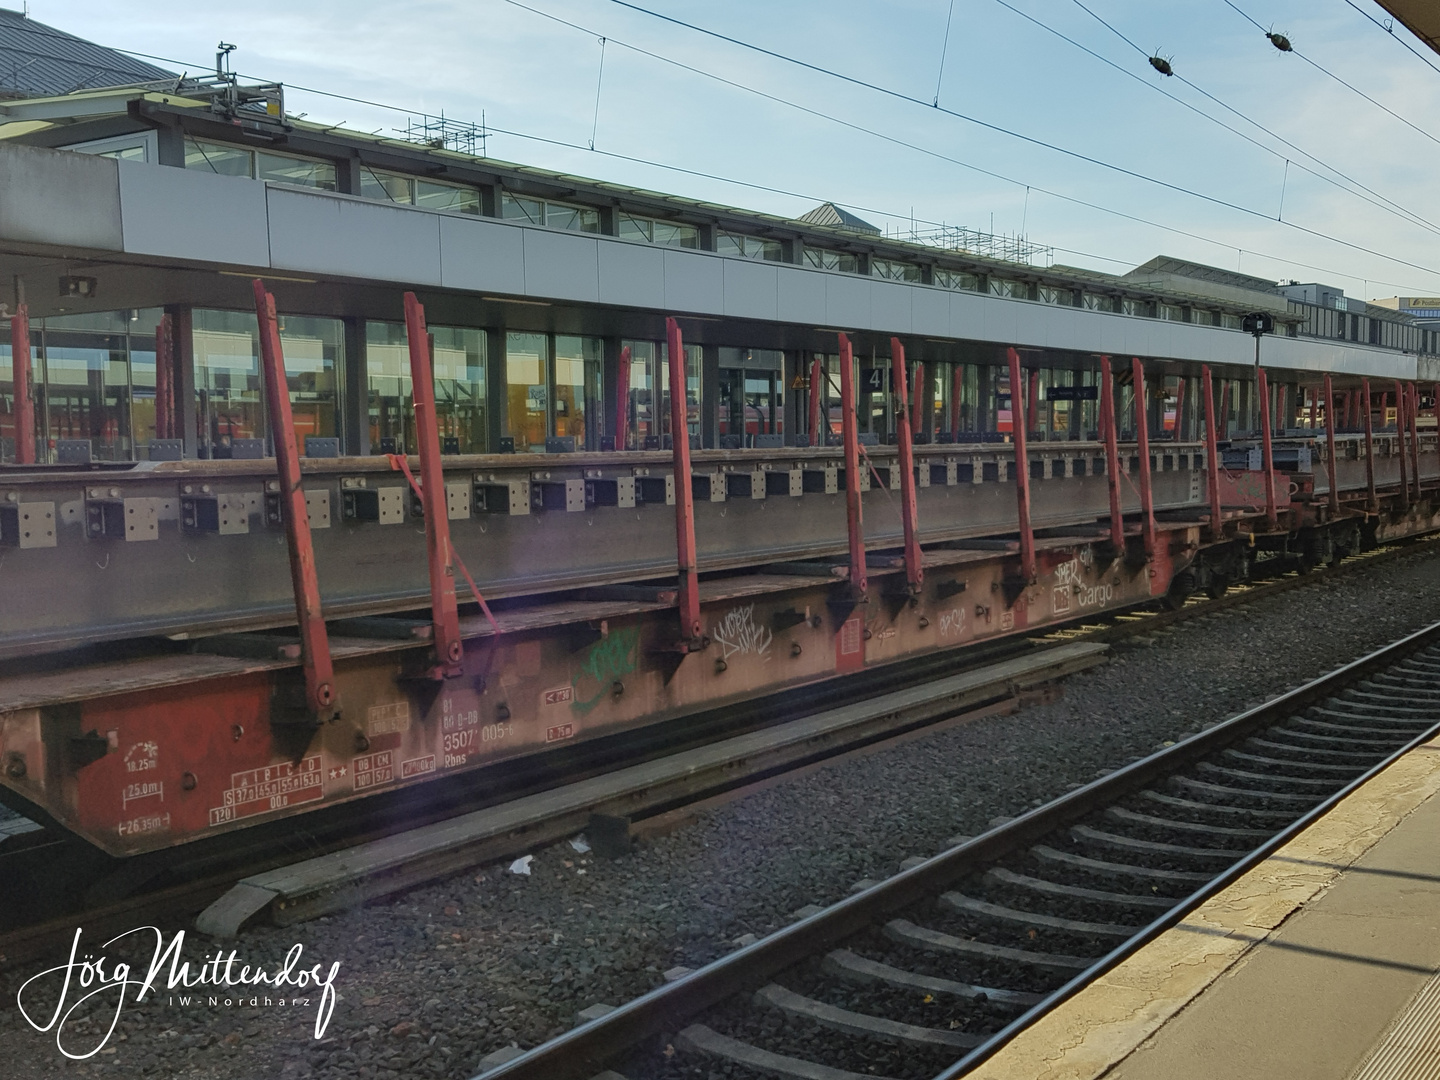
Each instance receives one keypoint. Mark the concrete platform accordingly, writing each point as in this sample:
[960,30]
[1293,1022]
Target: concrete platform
[1320,964]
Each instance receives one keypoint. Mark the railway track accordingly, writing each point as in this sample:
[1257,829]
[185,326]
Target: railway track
[932,971]
[44,865]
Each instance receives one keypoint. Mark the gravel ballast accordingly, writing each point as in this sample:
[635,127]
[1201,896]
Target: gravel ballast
[433,980]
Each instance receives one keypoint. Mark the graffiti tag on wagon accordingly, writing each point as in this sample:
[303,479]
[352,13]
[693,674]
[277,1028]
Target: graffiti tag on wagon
[608,660]
[739,635]
[952,621]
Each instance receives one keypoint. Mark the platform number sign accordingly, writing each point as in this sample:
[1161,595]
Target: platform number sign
[872,380]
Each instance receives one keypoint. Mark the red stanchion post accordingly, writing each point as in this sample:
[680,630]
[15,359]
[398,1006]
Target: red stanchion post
[443,610]
[688,594]
[914,572]
[1268,448]
[320,697]
[164,379]
[850,437]
[1142,434]
[1330,446]
[1110,435]
[20,373]
[1212,454]
[1018,423]
[1372,502]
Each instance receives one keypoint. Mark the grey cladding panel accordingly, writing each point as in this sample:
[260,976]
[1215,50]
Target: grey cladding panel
[187,214]
[485,256]
[890,307]
[632,274]
[332,235]
[561,266]
[802,296]
[750,289]
[59,197]
[931,315]
[694,282]
[847,301]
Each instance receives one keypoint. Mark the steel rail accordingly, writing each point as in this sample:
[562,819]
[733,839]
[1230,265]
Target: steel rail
[587,1049]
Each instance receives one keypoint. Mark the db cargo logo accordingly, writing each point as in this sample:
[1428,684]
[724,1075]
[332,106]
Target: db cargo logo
[559,696]
[560,731]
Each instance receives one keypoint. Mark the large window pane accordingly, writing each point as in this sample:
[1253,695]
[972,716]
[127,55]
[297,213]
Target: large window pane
[460,387]
[447,197]
[675,235]
[579,218]
[390,405]
[227,376]
[577,388]
[641,421]
[292,170]
[633,228]
[526,398]
[87,393]
[516,208]
[384,186]
[459,371]
[212,157]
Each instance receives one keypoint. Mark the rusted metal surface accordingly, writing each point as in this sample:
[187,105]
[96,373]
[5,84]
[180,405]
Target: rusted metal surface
[177,760]
[688,598]
[1142,434]
[914,572]
[1112,453]
[439,557]
[817,394]
[320,699]
[1212,456]
[1372,503]
[20,376]
[1401,430]
[164,378]
[1413,417]
[1267,450]
[850,437]
[1333,481]
[1018,422]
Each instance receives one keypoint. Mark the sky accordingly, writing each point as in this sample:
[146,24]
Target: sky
[779,137]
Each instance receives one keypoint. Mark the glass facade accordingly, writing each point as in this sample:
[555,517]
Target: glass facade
[894,271]
[554,214]
[93,378]
[825,259]
[527,409]
[459,371]
[752,393]
[578,412]
[259,164]
[413,191]
[658,231]
[229,396]
[738,245]
[649,411]
[954,279]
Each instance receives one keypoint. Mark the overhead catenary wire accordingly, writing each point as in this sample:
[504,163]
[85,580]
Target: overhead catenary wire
[1396,37]
[1001,129]
[1390,206]
[1072,200]
[1325,71]
[894,140]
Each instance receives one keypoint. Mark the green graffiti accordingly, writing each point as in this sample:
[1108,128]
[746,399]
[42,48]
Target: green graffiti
[609,659]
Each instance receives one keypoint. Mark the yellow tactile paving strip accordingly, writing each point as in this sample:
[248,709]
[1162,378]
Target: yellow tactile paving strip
[1107,1021]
